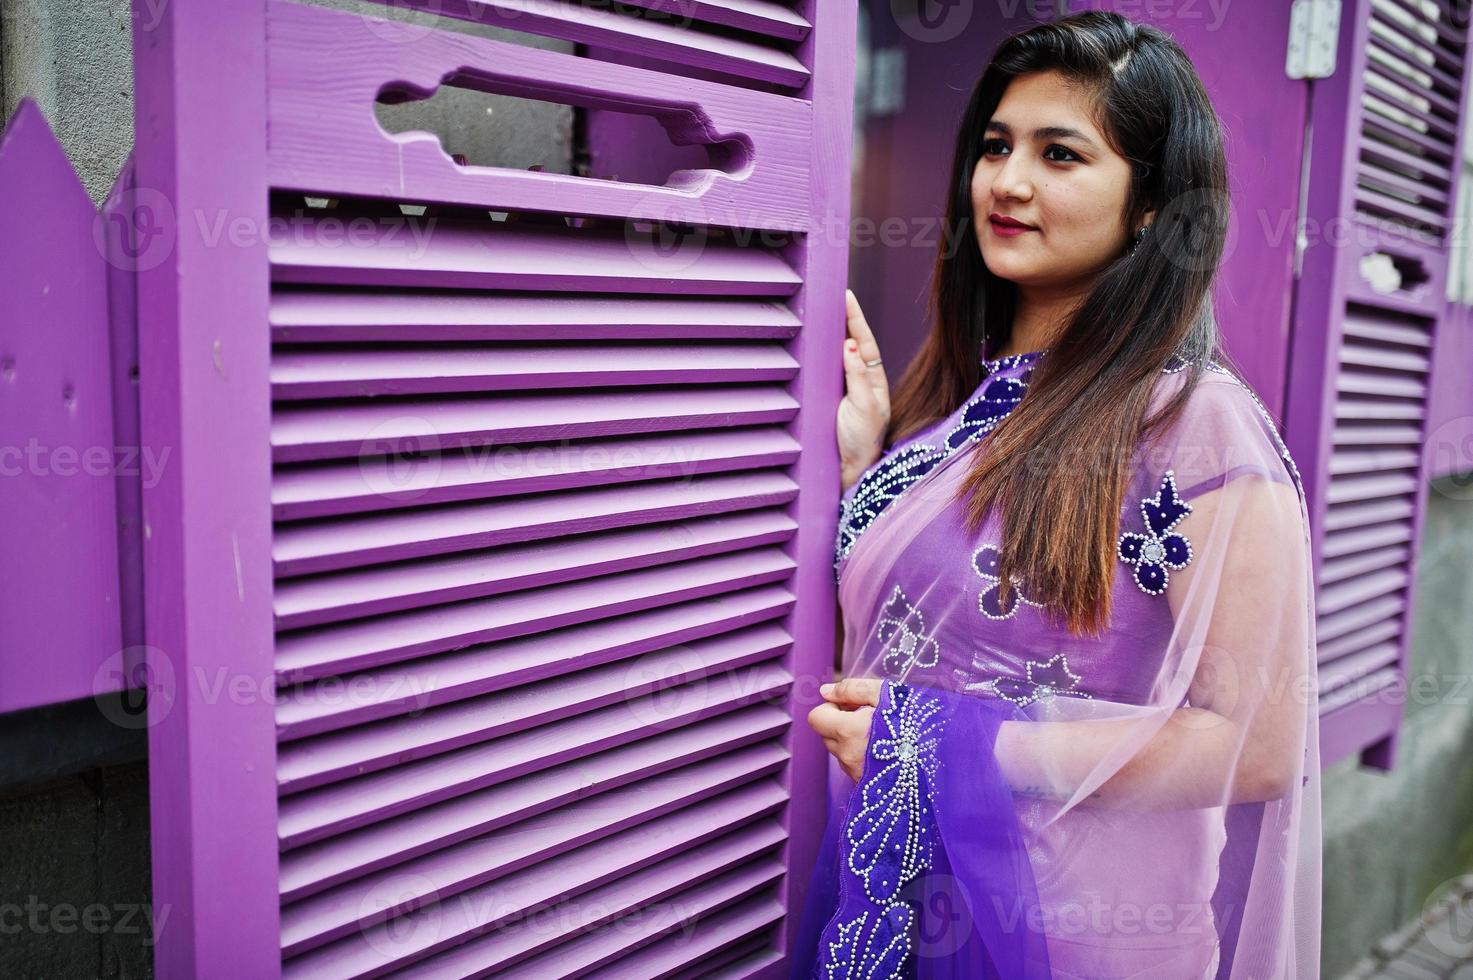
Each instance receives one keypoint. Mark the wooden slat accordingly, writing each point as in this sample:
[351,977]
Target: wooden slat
[309,432]
[693,924]
[364,371]
[1362,589]
[698,842]
[444,692]
[339,808]
[500,255]
[378,482]
[1348,541]
[321,546]
[1339,569]
[316,866]
[1334,625]
[328,314]
[679,46]
[766,17]
[337,649]
[323,917]
[400,586]
[1361,639]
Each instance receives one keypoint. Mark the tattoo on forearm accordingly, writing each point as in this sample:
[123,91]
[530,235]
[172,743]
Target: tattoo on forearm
[1048,793]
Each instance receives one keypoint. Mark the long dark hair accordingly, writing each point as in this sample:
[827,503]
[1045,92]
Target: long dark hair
[1059,463]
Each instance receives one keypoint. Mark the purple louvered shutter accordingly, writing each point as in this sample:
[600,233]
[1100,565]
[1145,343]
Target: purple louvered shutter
[1371,297]
[549,563]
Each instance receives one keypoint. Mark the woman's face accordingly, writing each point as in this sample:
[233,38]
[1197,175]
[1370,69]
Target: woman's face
[1046,164]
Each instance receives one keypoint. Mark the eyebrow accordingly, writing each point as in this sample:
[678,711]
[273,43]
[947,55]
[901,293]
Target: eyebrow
[1044,132]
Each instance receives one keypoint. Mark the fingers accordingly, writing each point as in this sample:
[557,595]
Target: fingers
[858,384]
[864,338]
[833,722]
[853,691]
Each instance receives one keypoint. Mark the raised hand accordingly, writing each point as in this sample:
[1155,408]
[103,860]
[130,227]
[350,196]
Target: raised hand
[864,413]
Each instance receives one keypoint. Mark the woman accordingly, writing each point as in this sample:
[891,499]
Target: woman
[1076,735]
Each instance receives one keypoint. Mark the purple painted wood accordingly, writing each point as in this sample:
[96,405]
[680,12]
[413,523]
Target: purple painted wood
[1359,404]
[485,669]
[565,677]
[373,483]
[515,256]
[388,371]
[338,315]
[418,633]
[333,431]
[324,133]
[675,46]
[767,17]
[395,535]
[60,601]
[1449,444]
[200,84]
[119,216]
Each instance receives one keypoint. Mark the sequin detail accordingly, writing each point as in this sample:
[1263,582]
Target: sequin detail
[990,601]
[882,484]
[901,632]
[1044,679]
[890,840]
[1158,549]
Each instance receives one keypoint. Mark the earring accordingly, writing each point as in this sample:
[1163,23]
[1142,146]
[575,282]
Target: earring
[1140,236]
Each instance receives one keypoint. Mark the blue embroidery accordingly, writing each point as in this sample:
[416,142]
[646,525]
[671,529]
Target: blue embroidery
[882,484]
[1045,679]
[901,631]
[1155,551]
[890,841]
[882,950]
[991,602]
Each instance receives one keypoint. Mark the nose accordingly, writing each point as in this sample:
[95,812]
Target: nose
[1012,179]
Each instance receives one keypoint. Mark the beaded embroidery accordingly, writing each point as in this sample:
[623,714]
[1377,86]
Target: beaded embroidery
[901,629]
[1044,680]
[880,951]
[890,841]
[1157,550]
[991,602]
[892,476]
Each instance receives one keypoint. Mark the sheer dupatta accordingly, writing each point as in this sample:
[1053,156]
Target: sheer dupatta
[1143,803]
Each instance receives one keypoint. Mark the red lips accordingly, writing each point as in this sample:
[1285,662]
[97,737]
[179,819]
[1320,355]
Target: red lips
[1005,221]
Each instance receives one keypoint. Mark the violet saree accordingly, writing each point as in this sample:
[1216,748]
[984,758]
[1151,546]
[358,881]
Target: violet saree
[1141,803]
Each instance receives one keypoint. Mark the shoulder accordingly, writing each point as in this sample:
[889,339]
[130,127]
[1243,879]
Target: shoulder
[1223,421]
[1216,392]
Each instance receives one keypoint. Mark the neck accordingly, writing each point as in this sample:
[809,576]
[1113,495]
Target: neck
[1041,316]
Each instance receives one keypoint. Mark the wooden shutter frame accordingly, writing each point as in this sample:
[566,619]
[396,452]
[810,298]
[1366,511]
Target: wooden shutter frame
[201,82]
[1330,280]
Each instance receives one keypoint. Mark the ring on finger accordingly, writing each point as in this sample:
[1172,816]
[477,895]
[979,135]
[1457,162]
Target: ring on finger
[874,363]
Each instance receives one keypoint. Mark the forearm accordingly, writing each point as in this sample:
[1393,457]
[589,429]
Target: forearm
[1193,760]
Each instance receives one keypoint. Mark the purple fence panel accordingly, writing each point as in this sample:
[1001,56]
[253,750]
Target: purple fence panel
[136,467]
[496,475]
[59,589]
[1384,166]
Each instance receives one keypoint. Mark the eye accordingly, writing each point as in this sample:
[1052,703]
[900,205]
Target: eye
[1071,156]
[988,145]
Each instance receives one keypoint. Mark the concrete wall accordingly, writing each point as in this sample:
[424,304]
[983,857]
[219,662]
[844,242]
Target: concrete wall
[74,877]
[1393,840]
